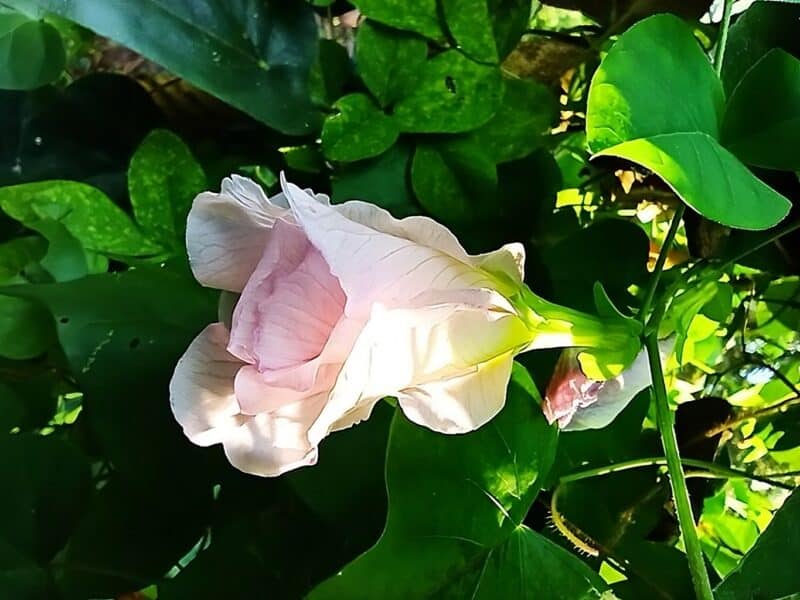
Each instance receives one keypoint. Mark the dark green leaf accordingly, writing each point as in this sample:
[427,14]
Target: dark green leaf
[419,16]
[452,94]
[453,501]
[708,178]
[769,569]
[358,130]
[330,73]
[163,179]
[446,179]
[26,330]
[765,25]
[388,60]
[252,54]
[526,113]
[771,90]
[382,181]
[31,52]
[18,253]
[470,24]
[86,212]
[51,484]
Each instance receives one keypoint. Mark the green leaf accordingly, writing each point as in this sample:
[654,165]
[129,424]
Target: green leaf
[528,566]
[470,24]
[769,569]
[66,258]
[163,179]
[765,25]
[252,54]
[26,330]
[358,130]
[454,502]
[708,178]
[18,253]
[771,90]
[486,30]
[446,178]
[388,60]
[452,94]
[632,114]
[383,181]
[419,16]
[31,52]
[85,211]
[51,485]
[527,111]
[655,80]
[330,72]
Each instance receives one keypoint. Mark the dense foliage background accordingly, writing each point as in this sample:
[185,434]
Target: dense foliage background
[114,114]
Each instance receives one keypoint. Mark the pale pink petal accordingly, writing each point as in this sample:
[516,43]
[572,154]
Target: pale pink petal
[291,304]
[256,395]
[405,348]
[375,266]
[201,390]
[580,403]
[270,444]
[461,403]
[226,232]
[508,260]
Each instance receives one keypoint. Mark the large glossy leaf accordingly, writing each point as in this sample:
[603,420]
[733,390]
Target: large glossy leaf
[163,179]
[771,90]
[31,52]
[454,503]
[769,570]
[26,330]
[654,80]
[252,54]
[86,212]
[656,101]
[708,178]
[452,94]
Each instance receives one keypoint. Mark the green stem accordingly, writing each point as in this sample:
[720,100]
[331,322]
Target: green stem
[722,40]
[683,507]
[638,463]
[662,259]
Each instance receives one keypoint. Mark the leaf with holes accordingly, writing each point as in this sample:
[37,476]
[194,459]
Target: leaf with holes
[388,60]
[452,94]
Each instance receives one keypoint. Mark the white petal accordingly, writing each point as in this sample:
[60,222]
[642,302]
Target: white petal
[226,232]
[462,403]
[372,265]
[270,444]
[509,259]
[201,390]
[405,348]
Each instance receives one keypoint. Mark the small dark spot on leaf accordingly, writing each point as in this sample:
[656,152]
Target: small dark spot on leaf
[64,320]
[451,84]
[134,343]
